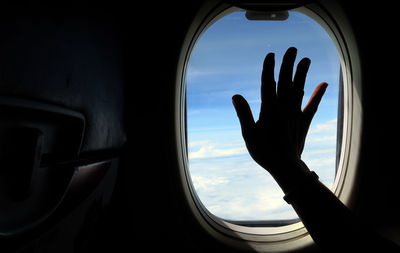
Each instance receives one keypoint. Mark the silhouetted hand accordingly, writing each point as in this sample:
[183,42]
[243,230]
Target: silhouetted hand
[277,139]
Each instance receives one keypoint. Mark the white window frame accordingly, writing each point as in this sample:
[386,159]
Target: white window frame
[294,236]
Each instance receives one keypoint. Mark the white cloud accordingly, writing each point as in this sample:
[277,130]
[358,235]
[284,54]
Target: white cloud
[208,184]
[209,150]
[236,188]
[193,144]
[232,186]
[323,138]
[260,203]
[327,126]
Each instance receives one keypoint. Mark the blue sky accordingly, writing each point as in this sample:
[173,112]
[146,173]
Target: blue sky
[227,60]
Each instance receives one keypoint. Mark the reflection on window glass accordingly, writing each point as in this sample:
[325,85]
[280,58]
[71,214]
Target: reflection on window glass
[226,60]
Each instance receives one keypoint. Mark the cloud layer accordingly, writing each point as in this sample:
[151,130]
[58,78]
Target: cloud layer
[232,186]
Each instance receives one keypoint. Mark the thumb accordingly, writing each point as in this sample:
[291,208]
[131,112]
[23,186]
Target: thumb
[244,114]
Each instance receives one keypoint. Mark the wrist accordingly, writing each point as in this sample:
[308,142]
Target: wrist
[290,174]
[302,189]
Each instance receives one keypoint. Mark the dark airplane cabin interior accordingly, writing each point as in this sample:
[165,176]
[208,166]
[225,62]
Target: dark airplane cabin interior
[88,147]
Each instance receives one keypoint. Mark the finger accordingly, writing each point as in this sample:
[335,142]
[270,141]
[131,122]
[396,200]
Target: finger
[286,72]
[244,114]
[268,84]
[312,106]
[299,81]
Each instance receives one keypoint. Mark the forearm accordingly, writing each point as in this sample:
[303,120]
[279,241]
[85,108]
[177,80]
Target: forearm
[330,223]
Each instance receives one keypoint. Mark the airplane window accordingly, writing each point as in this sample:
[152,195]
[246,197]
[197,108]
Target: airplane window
[226,60]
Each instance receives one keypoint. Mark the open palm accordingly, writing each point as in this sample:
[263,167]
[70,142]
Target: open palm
[278,136]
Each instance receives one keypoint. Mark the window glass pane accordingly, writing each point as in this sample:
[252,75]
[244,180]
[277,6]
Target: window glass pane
[226,60]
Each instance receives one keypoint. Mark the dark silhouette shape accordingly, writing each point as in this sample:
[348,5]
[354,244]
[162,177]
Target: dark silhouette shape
[276,142]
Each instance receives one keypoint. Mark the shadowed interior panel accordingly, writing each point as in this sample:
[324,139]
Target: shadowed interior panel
[70,62]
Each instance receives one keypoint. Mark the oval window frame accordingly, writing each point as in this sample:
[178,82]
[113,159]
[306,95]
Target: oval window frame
[293,236]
